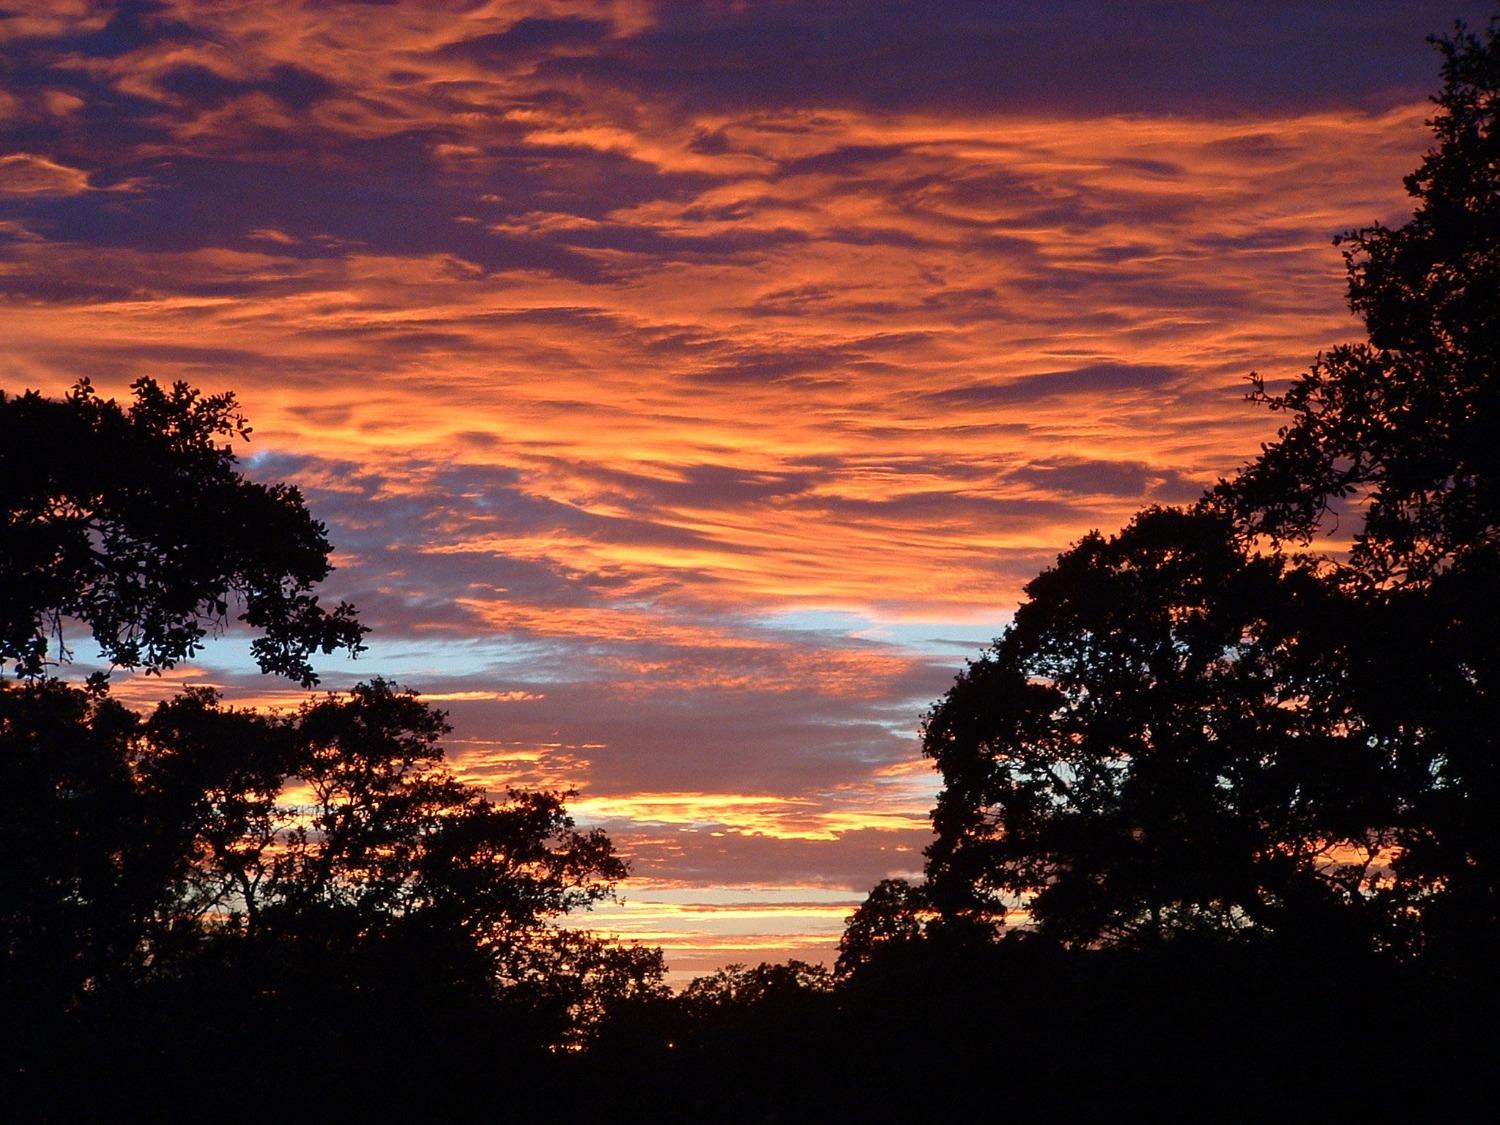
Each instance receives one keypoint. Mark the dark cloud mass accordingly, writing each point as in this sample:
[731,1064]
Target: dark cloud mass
[1071,56]
[1096,380]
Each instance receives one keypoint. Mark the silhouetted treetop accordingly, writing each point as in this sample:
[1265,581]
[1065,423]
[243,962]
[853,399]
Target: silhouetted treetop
[333,842]
[1124,759]
[219,873]
[1402,429]
[892,914]
[1402,425]
[739,987]
[1191,729]
[135,522]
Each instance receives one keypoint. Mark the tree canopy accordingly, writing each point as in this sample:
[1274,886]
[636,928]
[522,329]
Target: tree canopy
[1124,759]
[135,522]
[1217,719]
[211,874]
[334,837]
[1401,424]
[892,915]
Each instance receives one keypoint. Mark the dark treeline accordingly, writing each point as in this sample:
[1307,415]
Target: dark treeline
[228,905]
[1218,834]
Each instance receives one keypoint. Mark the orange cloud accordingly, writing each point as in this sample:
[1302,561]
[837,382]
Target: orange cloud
[784,818]
[23,173]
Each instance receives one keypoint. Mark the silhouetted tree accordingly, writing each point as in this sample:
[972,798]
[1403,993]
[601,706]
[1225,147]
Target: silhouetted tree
[1138,754]
[753,1014]
[582,988]
[1190,727]
[1400,432]
[135,522]
[893,913]
[742,987]
[73,901]
[1403,423]
[333,832]
[183,888]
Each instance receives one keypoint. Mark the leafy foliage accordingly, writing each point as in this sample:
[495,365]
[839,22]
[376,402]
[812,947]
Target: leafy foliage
[1403,424]
[335,837]
[893,914]
[1145,749]
[1192,728]
[286,865]
[741,987]
[1401,430]
[136,522]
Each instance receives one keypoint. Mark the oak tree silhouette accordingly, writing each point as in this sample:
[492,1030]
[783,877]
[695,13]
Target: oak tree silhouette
[1125,758]
[335,838]
[1217,721]
[893,914]
[136,522]
[181,888]
[1400,432]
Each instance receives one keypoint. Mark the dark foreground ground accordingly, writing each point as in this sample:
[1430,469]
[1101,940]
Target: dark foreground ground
[922,1034]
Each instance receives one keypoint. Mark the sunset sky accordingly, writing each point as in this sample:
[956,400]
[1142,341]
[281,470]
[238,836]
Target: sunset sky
[689,388]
